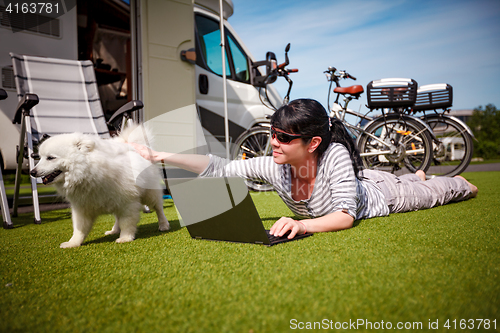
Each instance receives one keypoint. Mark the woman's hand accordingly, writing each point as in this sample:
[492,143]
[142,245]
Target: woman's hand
[285,224]
[331,222]
[191,162]
[146,152]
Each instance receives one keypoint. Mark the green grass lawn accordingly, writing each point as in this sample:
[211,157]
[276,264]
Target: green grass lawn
[25,188]
[419,267]
[486,161]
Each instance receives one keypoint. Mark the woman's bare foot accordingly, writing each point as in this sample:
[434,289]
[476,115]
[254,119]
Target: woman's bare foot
[473,188]
[421,175]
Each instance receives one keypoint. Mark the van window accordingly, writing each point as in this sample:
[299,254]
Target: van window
[239,60]
[209,38]
[209,41]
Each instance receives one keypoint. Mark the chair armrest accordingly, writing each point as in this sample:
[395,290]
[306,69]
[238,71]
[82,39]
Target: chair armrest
[129,107]
[25,104]
[3,94]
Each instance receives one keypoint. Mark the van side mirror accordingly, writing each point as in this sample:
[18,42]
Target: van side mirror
[270,63]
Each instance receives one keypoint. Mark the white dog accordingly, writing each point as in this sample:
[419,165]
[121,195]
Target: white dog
[99,176]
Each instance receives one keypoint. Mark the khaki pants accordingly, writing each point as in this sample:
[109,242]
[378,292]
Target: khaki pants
[408,193]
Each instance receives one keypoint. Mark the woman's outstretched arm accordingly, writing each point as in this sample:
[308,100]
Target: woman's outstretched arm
[191,162]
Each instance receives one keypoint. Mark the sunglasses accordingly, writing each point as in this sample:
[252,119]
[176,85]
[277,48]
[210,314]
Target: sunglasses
[283,137]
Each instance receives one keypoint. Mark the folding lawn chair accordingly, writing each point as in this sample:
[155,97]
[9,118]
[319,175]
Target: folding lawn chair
[56,96]
[4,205]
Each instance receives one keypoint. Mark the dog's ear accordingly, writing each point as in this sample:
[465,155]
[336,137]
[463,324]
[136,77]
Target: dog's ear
[85,145]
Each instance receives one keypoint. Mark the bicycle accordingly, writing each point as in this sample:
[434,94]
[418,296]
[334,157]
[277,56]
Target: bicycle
[452,151]
[389,141]
[256,141]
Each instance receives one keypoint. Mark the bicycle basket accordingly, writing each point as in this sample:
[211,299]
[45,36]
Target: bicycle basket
[391,93]
[433,97]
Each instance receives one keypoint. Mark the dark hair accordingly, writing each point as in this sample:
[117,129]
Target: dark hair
[309,117]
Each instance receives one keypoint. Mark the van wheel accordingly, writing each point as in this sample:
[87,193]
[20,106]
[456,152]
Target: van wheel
[254,142]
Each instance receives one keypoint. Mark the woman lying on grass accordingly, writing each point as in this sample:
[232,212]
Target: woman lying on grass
[316,170]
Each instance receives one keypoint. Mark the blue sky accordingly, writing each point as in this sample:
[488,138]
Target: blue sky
[438,41]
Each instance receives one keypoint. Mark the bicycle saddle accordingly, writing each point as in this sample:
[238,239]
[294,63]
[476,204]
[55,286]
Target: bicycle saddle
[352,90]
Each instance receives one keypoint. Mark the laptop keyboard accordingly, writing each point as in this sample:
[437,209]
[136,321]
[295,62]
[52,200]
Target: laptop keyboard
[275,239]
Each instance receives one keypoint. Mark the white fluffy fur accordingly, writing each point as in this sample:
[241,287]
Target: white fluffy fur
[100,177]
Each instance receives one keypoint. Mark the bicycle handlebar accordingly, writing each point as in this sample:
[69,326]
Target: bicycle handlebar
[334,75]
[281,70]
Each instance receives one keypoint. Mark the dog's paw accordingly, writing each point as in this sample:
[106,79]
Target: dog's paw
[164,226]
[125,239]
[67,245]
[112,232]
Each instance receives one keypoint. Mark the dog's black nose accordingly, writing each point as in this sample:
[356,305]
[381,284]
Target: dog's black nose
[33,173]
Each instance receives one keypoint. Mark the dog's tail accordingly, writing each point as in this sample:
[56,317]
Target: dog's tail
[140,134]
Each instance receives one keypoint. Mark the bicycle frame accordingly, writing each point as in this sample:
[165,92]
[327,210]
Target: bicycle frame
[338,111]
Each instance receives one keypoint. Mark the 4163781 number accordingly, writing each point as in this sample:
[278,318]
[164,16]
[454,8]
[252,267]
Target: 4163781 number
[471,324]
[33,8]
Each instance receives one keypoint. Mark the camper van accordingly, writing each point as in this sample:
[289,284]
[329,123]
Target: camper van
[165,53]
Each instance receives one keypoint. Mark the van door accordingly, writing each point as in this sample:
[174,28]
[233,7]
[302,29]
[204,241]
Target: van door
[161,29]
[244,106]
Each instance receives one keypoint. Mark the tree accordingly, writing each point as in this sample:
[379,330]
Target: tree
[485,124]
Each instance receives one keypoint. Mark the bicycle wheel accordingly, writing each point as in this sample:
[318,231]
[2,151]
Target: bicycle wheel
[454,152]
[253,143]
[395,142]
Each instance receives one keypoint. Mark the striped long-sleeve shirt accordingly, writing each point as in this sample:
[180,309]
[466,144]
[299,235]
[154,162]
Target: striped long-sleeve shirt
[336,188]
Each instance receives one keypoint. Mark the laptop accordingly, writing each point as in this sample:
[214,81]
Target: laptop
[221,209]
